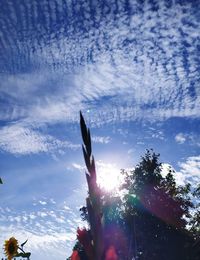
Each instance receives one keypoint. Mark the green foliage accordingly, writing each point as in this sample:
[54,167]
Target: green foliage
[148,190]
[155,211]
[79,247]
[194,220]
[24,255]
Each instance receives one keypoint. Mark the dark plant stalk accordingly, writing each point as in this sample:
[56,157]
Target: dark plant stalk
[93,201]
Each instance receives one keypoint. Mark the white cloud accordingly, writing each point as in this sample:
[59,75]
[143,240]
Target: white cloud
[191,167]
[22,86]
[52,246]
[42,202]
[158,135]
[18,139]
[189,171]
[132,67]
[51,233]
[191,138]
[42,214]
[78,166]
[101,139]
[180,138]
[52,201]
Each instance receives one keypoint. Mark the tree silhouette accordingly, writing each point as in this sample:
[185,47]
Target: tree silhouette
[154,213]
[149,221]
[194,221]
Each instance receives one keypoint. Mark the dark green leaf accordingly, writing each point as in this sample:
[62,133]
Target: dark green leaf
[93,170]
[84,131]
[87,159]
[88,146]
[27,255]
[24,243]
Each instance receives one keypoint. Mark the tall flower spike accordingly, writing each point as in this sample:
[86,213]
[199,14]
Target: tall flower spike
[93,201]
[87,148]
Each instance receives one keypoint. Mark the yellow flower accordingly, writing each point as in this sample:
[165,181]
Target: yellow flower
[10,247]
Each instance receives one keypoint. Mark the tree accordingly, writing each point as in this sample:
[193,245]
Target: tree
[194,220]
[155,211]
[149,221]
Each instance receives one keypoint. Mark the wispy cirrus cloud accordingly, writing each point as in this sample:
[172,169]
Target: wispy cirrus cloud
[18,140]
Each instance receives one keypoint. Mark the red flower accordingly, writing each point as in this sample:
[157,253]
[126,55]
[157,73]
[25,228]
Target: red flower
[82,235]
[84,238]
[111,254]
[75,255]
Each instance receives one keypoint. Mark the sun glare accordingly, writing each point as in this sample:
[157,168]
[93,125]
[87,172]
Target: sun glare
[108,176]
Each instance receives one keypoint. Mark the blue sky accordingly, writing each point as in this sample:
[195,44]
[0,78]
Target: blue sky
[132,67]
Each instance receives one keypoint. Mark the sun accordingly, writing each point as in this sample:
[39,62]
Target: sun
[108,176]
